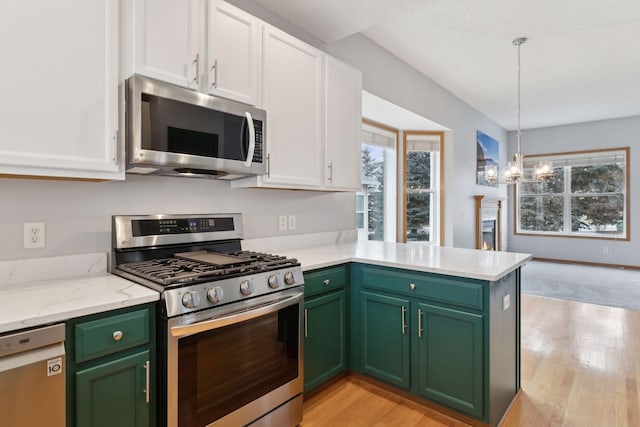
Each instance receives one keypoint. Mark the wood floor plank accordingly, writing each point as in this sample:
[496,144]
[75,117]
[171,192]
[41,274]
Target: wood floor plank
[580,368]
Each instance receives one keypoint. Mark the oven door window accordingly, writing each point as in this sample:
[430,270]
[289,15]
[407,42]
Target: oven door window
[224,369]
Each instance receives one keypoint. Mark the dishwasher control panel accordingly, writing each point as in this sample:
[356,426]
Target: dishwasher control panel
[25,340]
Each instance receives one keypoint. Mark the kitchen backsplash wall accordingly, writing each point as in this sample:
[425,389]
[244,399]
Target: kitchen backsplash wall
[77,215]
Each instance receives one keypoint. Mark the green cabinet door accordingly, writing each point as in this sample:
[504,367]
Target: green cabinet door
[325,340]
[385,338]
[450,361]
[113,393]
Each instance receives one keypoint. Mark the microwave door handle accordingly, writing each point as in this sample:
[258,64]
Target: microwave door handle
[252,140]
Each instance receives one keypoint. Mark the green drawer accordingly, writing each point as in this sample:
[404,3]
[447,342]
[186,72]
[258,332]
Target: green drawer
[325,280]
[116,333]
[437,288]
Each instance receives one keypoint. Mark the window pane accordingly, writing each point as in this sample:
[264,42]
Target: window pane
[419,169]
[598,214]
[373,177]
[541,213]
[418,216]
[360,220]
[360,202]
[552,185]
[597,179]
[376,215]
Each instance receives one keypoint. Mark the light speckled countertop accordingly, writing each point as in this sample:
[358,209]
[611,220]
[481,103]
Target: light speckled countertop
[471,263]
[40,291]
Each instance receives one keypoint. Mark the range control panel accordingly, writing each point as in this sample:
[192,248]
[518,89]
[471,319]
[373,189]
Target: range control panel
[154,227]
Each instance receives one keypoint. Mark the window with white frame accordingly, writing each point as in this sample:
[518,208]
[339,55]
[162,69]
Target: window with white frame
[421,198]
[585,197]
[376,203]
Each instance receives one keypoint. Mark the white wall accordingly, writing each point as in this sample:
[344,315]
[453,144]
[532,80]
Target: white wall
[78,214]
[624,132]
[387,77]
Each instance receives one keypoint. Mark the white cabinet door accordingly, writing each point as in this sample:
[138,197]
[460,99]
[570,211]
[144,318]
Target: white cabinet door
[292,79]
[167,40]
[343,121]
[234,53]
[59,98]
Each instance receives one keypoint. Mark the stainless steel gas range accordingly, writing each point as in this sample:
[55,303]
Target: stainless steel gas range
[230,321]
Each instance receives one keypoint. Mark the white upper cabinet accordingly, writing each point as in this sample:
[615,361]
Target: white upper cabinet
[205,45]
[343,121]
[292,96]
[233,58]
[59,110]
[167,40]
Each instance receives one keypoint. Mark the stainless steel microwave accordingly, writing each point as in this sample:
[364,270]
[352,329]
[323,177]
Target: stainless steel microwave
[178,132]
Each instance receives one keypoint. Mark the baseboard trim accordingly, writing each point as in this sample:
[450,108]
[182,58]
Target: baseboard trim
[593,264]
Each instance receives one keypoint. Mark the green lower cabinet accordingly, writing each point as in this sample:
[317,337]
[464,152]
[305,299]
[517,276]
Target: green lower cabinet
[450,357]
[385,338]
[113,393]
[325,341]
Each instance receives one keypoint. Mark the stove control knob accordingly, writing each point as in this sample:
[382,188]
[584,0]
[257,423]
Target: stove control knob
[214,295]
[288,278]
[273,281]
[246,287]
[190,299]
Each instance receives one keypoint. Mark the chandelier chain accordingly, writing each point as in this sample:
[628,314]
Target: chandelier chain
[519,68]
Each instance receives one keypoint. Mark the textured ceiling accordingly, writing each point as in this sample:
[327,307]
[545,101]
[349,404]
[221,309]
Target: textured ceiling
[581,62]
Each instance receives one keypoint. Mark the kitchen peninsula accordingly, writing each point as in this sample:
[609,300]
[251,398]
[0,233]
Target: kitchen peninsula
[438,324]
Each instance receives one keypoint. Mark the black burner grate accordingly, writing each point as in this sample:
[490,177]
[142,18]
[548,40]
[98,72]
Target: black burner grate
[170,271]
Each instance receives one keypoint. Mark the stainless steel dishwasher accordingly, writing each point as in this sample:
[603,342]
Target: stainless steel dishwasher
[32,377]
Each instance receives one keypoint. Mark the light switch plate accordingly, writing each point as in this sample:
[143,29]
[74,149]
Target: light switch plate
[292,222]
[282,223]
[506,301]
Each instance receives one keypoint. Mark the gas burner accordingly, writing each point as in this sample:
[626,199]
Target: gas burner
[167,271]
[173,271]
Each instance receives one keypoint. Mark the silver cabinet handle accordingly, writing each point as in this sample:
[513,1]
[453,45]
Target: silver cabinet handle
[412,286]
[147,367]
[114,146]
[117,335]
[326,282]
[404,324]
[305,323]
[214,68]
[196,61]
[268,165]
[252,139]
[419,323]
[330,166]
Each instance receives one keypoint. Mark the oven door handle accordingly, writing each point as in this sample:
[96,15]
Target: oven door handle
[245,314]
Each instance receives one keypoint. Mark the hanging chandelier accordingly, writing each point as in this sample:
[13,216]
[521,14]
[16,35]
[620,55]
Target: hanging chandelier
[515,171]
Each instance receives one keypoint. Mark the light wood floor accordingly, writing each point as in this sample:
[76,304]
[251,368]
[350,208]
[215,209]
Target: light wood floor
[580,367]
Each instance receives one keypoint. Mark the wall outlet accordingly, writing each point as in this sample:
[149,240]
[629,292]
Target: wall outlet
[292,222]
[282,223]
[34,235]
[506,301]
[605,249]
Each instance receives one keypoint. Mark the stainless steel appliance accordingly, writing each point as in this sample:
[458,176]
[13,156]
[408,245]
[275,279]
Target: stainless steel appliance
[175,131]
[32,377]
[230,322]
